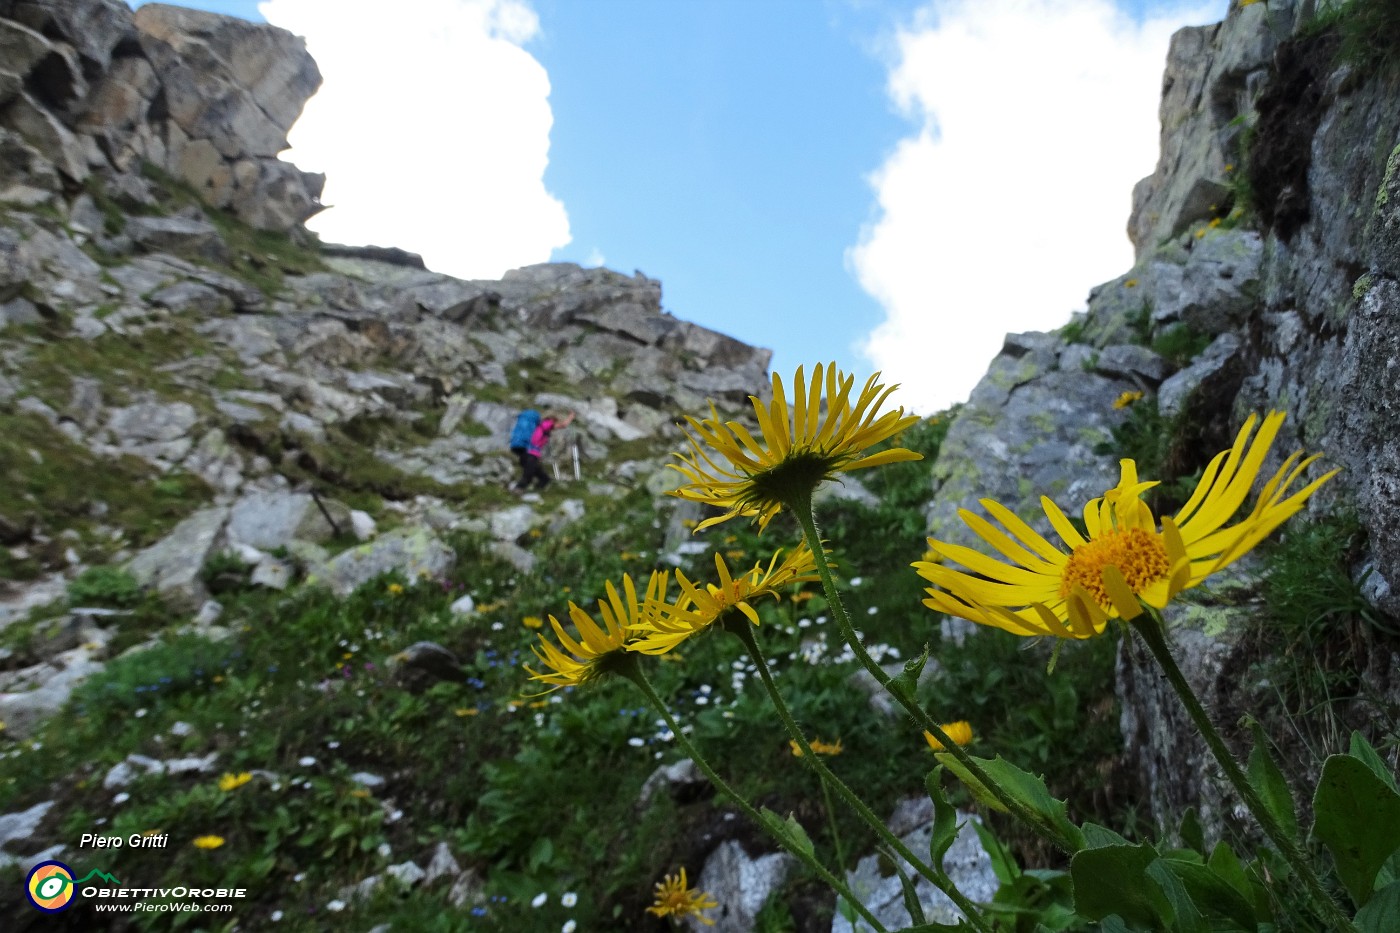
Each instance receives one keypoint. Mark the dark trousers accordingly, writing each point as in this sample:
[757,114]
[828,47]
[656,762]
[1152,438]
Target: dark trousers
[530,470]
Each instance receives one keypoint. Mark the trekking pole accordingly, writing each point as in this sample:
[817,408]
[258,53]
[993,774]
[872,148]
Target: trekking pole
[576,473]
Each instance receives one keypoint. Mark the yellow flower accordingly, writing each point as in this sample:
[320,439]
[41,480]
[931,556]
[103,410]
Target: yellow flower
[532,622]
[467,711]
[698,607]
[1131,283]
[360,793]
[231,781]
[818,747]
[208,842]
[583,660]
[395,589]
[1126,399]
[675,898]
[1127,558]
[797,450]
[960,732]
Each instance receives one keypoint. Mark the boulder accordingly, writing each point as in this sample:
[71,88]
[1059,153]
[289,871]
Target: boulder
[184,236]
[413,552]
[172,565]
[269,520]
[741,884]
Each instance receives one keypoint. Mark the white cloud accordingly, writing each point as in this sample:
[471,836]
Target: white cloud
[432,126]
[1009,202]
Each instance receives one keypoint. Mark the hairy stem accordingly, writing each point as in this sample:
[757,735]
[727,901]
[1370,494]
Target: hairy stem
[1150,628]
[801,506]
[633,672]
[936,877]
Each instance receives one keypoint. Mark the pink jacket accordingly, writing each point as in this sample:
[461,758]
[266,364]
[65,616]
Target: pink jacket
[541,436]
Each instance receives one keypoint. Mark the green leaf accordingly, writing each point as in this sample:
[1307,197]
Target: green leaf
[945,819]
[1096,836]
[1029,789]
[906,684]
[977,788]
[911,897]
[788,831]
[1003,862]
[1228,867]
[1379,915]
[1358,820]
[1360,748]
[1113,880]
[1189,916]
[1212,894]
[1191,833]
[1268,782]
[541,854]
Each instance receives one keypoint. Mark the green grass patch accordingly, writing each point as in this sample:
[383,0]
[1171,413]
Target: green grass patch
[55,485]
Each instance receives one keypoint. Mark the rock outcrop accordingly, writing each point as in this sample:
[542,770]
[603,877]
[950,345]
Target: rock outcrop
[92,93]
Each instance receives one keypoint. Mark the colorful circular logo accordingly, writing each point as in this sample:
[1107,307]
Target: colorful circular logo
[49,887]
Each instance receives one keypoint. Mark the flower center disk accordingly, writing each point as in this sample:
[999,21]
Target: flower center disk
[1139,554]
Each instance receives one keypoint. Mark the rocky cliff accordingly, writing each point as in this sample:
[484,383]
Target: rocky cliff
[1265,278]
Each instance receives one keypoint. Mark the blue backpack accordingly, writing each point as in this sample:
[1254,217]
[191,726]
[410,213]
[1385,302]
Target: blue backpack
[524,429]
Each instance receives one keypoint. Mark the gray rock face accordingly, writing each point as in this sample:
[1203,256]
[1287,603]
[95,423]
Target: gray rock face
[172,565]
[967,864]
[741,884]
[413,552]
[206,98]
[1213,74]
[1029,429]
[270,520]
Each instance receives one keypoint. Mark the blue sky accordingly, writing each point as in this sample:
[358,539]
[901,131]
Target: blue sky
[888,183]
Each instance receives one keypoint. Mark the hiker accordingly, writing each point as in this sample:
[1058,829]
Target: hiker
[528,451]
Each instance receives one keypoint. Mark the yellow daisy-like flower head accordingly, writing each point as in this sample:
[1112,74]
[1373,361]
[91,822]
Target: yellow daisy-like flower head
[960,732]
[800,446]
[818,747]
[1127,559]
[1126,399]
[597,646]
[233,781]
[676,898]
[208,842]
[700,606]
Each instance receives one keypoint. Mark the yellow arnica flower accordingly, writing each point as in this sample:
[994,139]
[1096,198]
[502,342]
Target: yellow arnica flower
[1126,399]
[800,446]
[960,732]
[395,589]
[208,842]
[585,658]
[675,898]
[232,781]
[818,747]
[532,622]
[1127,559]
[698,607]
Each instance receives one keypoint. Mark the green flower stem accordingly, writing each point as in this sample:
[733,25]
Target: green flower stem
[744,632]
[801,505]
[630,668]
[1151,629]
[835,830]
